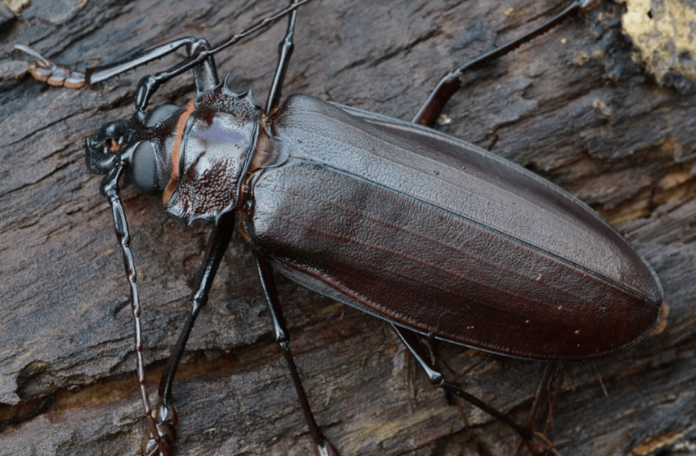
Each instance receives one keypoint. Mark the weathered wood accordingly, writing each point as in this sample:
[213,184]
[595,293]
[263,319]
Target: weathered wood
[573,106]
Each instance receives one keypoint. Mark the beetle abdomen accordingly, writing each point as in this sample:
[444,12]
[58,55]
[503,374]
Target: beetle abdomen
[432,233]
[420,266]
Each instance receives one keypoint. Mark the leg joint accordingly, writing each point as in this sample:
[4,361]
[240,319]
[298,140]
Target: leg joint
[200,44]
[436,378]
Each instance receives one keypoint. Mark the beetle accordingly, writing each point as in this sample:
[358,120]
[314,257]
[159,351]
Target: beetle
[144,141]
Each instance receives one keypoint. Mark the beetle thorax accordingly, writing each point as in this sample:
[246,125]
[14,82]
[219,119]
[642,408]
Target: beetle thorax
[214,140]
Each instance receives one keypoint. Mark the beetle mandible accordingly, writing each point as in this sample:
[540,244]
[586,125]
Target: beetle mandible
[363,205]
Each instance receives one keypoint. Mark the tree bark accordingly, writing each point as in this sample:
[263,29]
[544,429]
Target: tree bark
[576,106]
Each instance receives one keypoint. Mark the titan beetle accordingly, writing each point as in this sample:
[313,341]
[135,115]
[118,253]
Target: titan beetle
[428,232]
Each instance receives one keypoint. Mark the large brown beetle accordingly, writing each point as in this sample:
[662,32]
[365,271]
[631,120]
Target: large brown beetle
[563,250]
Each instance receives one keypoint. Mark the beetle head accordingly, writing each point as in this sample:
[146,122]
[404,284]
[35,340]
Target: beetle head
[141,143]
[195,157]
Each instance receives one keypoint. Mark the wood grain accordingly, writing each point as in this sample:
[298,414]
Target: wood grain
[573,106]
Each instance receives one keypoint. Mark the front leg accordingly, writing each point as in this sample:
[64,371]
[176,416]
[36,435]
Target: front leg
[166,414]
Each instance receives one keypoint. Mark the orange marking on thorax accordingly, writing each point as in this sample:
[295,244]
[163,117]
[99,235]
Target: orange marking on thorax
[180,126]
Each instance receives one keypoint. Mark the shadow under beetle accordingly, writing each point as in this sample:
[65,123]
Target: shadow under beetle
[432,234]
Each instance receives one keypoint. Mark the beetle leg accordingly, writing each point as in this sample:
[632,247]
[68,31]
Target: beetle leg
[285,49]
[166,415]
[536,443]
[546,396]
[323,446]
[47,71]
[149,84]
[452,81]
[110,189]
[200,59]
[205,73]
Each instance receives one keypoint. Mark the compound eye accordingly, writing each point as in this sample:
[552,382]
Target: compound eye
[160,114]
[144,168]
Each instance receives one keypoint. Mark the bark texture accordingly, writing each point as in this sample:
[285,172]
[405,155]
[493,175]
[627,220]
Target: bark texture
[575,105]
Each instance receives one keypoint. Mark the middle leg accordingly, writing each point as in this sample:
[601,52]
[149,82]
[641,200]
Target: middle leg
[323,446]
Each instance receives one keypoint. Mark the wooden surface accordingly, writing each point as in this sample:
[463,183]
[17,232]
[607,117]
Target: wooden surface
[573,106]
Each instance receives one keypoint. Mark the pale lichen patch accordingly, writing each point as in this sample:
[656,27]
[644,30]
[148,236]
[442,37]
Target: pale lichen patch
[664,34]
